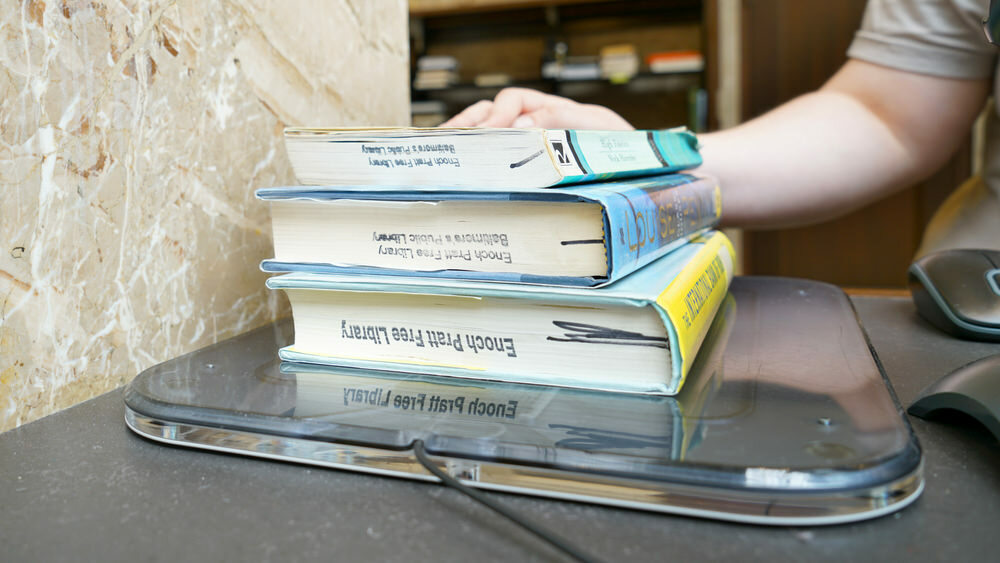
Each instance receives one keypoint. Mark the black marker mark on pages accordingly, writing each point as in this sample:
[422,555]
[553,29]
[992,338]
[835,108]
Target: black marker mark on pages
[580,332]
[582,241]
[521,163]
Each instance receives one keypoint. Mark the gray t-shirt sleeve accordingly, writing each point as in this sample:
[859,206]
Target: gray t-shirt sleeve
[936,37]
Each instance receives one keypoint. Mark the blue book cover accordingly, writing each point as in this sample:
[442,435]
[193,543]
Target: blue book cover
[581,235]
[638,335]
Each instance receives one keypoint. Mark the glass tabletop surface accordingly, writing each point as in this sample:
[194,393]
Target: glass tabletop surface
[785,394]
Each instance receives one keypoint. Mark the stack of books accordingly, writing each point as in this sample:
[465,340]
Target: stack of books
[571,258]
[435,72]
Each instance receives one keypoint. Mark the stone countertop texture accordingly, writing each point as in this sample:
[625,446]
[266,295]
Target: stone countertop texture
[132,136]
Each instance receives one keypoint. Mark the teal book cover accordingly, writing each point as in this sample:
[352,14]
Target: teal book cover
[604,155]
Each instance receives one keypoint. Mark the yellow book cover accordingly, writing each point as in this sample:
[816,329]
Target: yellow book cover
[694,296]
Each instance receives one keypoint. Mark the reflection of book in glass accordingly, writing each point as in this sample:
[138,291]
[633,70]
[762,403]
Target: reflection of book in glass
[496,415]
[707,373]
[638,335]
[477,158]
[588,234]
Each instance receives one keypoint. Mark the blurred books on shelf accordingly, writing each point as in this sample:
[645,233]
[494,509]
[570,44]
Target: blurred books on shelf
[435,72]
[573,68]
[435,79]
[619,63]
[437,62]
[675,61]
[428,113]
[492,80]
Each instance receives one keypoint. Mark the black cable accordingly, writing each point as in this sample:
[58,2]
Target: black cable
[551,538]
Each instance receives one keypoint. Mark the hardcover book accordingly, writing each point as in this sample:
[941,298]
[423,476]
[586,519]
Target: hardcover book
[477,158]
[639,334]
[585,235]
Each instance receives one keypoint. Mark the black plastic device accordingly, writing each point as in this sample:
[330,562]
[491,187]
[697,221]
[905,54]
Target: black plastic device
[973,389]
[958,291]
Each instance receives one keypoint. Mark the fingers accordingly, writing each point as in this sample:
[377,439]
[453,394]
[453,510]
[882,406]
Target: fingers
[572,115]
[471,116]
[523,107]
[510,103]
[503,111]
[525,121]
[590,116]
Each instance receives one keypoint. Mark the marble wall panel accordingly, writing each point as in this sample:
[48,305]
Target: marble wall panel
[132,136]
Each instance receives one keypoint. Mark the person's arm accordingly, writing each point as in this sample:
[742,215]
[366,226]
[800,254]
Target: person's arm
[868,131]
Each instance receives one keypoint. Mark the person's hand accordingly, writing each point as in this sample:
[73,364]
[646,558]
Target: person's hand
[522,107]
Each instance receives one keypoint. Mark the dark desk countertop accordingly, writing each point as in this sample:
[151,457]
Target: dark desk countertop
[78,485]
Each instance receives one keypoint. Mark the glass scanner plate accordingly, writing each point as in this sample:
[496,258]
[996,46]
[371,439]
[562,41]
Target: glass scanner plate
[787,418]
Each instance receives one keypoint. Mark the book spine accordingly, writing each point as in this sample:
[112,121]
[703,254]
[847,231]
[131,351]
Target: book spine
[587,156]
[692,299]
[644,223]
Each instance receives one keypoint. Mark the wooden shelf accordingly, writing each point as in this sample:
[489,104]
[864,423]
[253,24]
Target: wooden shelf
[514,37]
[670,81]
[431,8]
